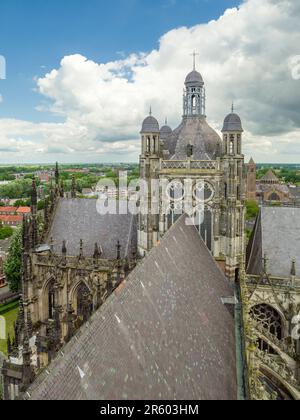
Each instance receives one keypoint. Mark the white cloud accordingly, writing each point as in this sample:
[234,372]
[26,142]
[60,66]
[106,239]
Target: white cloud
[246,56]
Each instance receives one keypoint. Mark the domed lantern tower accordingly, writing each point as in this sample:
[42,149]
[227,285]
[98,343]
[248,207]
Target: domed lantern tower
[194,94]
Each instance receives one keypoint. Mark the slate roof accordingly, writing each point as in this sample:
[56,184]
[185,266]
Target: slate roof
[150,125]
[78,219]
[277,233]
[269,177]
[194,77]
[232,123]
[165,334]
[295,192]
[196,132]
[165,131]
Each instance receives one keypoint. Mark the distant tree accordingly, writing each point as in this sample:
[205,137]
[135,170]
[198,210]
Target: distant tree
[252,209]
[5,231]
[12,266]
[41,205]
[22,203]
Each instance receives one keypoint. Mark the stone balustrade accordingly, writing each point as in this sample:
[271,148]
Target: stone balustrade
[206,165]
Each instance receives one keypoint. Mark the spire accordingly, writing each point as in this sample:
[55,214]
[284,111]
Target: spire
[62,189]
[293,269]
[33,196]
[25,235]
[150,112]
[64,249]
[74,187]
[52,195]
[56,174]
[81,248]
[232,107]
[46,214]
[118,250]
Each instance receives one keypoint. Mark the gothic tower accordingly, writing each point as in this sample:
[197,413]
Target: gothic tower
[149,174]
[194,95]
[198,174]
[234,192]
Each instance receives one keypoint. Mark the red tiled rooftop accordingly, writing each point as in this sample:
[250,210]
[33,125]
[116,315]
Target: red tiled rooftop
[10,218]
[13,210]
[8,209]
[23,210]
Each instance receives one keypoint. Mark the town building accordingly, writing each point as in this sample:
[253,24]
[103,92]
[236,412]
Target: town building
[268,189]
[13,216]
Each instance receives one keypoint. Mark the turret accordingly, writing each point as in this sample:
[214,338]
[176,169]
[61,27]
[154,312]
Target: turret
[149,171]
[150,136]
[234,192]
[232,134]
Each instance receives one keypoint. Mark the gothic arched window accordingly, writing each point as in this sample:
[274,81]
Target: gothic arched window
[148,144]
[274,197]
[231,144]
[225,190]
[269,318]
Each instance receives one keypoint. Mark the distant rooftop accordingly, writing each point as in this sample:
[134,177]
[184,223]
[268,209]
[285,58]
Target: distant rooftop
[270,177]
[277,234]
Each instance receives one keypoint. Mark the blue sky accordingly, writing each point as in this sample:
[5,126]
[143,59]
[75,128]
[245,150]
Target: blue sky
[35,35]
[81,75]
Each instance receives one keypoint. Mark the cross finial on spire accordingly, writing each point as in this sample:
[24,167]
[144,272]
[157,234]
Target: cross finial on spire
[194,59]
[232,107]
[166,121]
[150,112]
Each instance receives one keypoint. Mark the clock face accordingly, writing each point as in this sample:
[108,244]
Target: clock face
[203,192]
